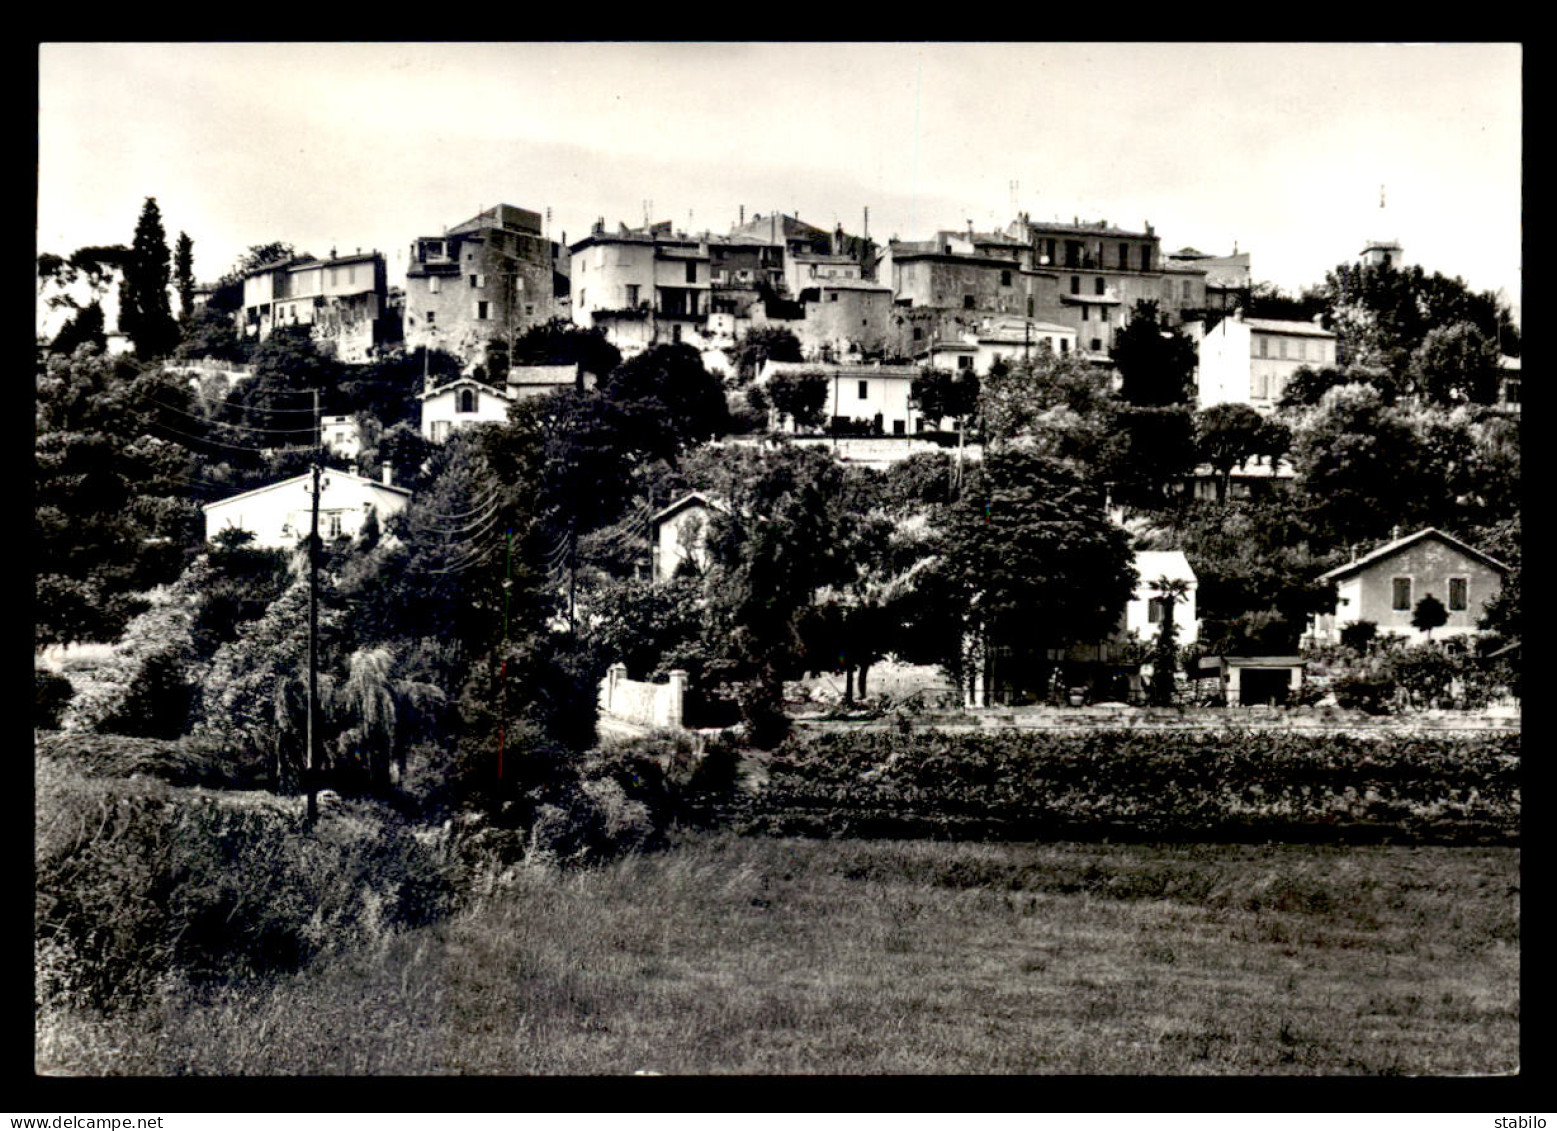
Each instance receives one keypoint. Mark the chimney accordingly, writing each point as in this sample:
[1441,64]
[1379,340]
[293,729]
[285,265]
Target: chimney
[389,474]
[742,223]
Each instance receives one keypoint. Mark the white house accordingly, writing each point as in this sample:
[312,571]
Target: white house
[341,435]
[874,397]
[459,403]
[1009,340]
[279,515]
[1144,613]
[1250,360]
[679,533]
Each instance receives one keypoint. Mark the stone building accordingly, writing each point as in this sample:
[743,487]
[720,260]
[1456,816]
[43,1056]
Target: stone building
[485,281]
[343,299]
[644,286]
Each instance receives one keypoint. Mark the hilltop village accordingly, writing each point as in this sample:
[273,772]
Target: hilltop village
[1055,463]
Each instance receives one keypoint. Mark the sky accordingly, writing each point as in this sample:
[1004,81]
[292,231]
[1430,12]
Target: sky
[1281,150]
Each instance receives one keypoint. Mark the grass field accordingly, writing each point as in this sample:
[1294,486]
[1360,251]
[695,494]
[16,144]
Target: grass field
[755,955]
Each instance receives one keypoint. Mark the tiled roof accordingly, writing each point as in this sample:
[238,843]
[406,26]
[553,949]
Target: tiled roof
[1389,549]
[1281,326]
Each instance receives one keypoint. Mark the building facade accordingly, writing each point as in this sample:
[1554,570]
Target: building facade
[344,300]
[1250,360]
[280,515]
[459,404]
[644,287]
[1384,587]
[874,400]
[485,281]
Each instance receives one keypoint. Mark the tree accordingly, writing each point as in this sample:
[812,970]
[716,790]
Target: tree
[667,400]
[112,511]
[1170,591]
[560,342]
[1358,635]
[1455,364]
[1156,362]
[84,328]
[184,275]
[1226,436]
[762,344]
[781,540]
[1059,403]
[1429,614]
[1383,314]
[801,397]
[144,310]
[1360,465]
[1148,454]
[1028,562]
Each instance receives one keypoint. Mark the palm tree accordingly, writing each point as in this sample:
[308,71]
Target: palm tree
[1170,591]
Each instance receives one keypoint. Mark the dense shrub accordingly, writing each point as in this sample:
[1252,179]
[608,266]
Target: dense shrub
[139,883]
[1127,784]
[50,694]
[185,761]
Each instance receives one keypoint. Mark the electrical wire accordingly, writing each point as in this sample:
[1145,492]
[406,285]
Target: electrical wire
[224,424]
[224,444]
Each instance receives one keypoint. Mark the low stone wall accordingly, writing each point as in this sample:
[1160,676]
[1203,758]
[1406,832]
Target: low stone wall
[640,703]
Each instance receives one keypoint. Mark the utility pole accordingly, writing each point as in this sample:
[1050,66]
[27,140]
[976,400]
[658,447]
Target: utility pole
[502,722]
[310,781]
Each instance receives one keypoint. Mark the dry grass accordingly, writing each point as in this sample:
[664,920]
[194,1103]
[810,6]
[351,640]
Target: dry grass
[731,955]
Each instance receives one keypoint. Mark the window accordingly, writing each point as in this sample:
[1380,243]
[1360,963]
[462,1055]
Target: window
[1281,346]
[691,272]
[1264,347]
[1097,345]
[967,302]
[918,333]
[1302,350]
[351,275]
[632,295]
[481,312]
[1154,608]
[332,524]
[1260,386]
[1400,594]
[1064,345]
[832,296]
[964,361]
[1459,594]
[433,285]
[467,400]
[1075,284]
[475,282]
[334,275]
[899,428]
[1146,257]
[1185,291]
[1124,256]
[864,390]
[432,316]
[440,431]
[1097,286]
[1085,312]
[1005,278]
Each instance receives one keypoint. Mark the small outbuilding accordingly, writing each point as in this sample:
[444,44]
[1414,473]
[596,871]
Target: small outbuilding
[1249,681]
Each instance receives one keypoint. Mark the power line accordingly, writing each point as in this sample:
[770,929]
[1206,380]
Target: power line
[224,444]
[224,424]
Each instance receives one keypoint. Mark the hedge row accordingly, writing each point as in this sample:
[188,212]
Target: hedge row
[139,882]
[1235,785]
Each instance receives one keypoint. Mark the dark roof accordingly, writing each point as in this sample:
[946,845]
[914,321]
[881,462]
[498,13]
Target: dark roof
[1389,549]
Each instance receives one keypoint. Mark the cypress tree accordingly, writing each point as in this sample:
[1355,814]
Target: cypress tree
[145,313]
[184,275]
